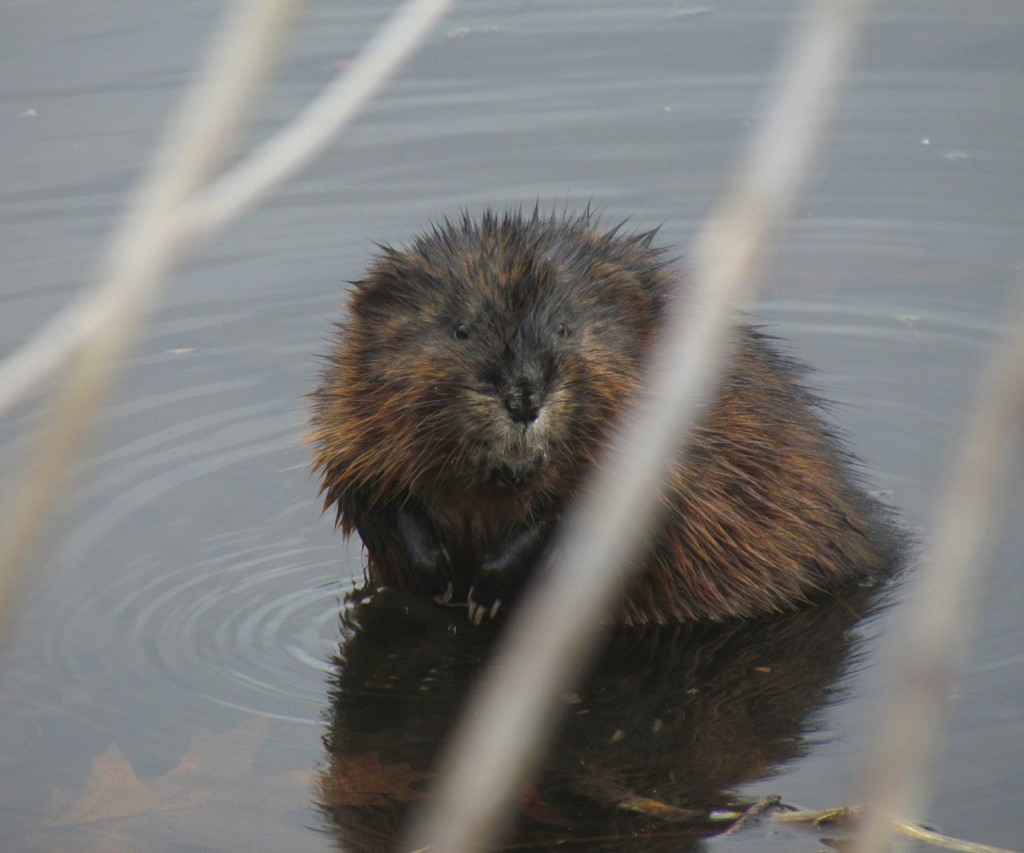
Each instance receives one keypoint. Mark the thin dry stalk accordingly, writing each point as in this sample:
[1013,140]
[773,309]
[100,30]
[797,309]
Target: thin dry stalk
[319,124]
[167,218]
[240,189]
[943,601]
[553,632]
[141,252]
[197,140]
[845,814]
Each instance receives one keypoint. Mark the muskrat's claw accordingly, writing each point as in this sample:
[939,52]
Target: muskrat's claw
[446,596]
[477,612]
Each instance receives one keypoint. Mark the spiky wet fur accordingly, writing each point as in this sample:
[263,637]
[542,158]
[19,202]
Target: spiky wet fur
[414,410]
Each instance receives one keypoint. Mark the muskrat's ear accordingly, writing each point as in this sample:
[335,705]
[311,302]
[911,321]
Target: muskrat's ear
[393,280]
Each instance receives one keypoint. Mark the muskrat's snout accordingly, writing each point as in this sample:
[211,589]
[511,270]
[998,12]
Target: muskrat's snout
[519,422]
[520,375]
[523,400]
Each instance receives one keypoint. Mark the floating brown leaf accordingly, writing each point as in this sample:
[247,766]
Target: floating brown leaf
[364,780]
[211,796]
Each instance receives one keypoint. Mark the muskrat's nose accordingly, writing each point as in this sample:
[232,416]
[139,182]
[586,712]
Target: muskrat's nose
[523,402]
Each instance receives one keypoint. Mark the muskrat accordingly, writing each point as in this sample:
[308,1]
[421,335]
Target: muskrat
[478,379]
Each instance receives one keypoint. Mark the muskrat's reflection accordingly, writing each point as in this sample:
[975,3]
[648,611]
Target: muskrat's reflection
[677,716]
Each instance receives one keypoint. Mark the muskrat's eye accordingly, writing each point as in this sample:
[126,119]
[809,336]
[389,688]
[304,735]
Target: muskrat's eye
[461,332]
[562,331]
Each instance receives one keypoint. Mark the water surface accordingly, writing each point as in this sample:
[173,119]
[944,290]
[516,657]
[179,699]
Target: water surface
[174,678]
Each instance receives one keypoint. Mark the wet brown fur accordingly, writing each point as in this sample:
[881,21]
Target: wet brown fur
[764,513]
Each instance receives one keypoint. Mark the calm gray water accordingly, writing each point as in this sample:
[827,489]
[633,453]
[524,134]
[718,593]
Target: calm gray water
[168,684]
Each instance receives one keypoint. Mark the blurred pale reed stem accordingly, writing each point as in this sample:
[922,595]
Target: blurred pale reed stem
[166,219]
[305,138]
[553,632]
[239,189]
[140,254]
[930,643]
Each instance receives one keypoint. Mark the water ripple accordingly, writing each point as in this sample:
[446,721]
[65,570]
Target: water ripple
[248,626]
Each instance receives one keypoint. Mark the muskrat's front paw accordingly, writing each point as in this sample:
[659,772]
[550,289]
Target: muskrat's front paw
[446,595]
[434,572]
[426,558]
[485,598]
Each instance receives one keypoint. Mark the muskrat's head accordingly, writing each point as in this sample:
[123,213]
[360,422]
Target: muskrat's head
[491,354]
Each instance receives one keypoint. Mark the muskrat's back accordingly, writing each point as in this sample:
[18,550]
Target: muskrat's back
[477,379]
